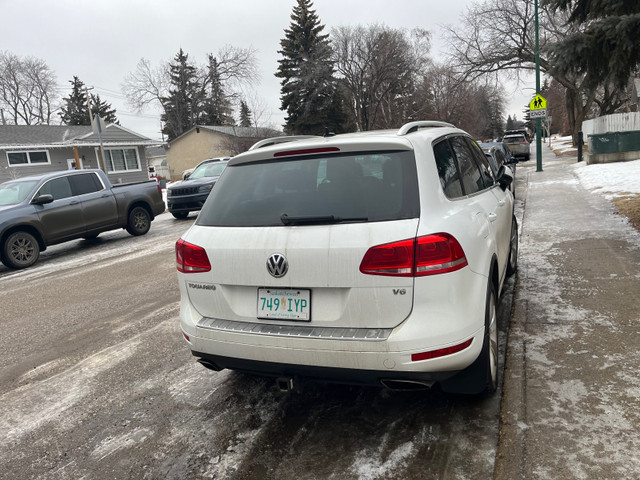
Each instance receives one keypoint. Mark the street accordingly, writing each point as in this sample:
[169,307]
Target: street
[96,382]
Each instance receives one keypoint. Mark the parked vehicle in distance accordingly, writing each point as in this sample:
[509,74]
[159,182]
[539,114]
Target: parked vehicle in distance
[372,258]
[187,173]
[518,145]
[523,131]
[44,210]
[189,195]
[495,153]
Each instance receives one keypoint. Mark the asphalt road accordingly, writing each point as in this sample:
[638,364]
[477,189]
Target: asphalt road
[97,383]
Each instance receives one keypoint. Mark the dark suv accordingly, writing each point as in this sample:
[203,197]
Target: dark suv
[189,195]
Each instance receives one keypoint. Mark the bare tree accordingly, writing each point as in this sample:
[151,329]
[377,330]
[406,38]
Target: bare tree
[499,36]
[148,85]
[379,67]
[27,89]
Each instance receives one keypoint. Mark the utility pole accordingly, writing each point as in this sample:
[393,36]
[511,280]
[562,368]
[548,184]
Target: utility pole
[538,119]
[96,127]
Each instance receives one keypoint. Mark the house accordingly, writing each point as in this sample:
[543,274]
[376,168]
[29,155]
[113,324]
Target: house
[202,142]
[33,149]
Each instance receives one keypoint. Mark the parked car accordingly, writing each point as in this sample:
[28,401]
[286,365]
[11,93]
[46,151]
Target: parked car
[522,131]
[372,258]
[495,153]
[39,211]
[187,173]
[518,145]
[189,195]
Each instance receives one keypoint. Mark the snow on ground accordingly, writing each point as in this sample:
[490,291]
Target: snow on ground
[611,179]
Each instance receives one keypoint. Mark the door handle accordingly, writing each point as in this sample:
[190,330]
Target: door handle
[501,203]
[492,217]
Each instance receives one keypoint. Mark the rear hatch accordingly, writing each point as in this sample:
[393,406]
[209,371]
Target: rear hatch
[286,239]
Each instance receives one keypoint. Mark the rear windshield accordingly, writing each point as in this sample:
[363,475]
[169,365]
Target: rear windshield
[514,139]
[364,187]
[208,170]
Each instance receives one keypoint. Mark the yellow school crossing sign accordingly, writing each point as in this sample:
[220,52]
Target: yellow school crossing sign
[538,103]
[538,106]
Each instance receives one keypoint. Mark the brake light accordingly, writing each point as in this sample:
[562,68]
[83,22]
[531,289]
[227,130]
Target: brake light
[306,151]
[191,258]
[417,257]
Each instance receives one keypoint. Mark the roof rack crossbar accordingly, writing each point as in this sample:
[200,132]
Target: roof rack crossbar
[267,142]
[413,126]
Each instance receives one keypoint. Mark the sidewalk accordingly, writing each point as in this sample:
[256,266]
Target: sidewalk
[571,395]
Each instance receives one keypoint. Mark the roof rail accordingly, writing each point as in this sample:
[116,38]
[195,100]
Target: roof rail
[413,126]
[267,142]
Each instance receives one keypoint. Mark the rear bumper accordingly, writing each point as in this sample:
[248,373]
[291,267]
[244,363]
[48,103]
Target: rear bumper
[390,379]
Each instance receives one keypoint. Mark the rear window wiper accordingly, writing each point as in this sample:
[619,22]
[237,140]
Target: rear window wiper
[318,219]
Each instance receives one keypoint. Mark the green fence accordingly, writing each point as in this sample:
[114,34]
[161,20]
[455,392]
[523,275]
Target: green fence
[616,142]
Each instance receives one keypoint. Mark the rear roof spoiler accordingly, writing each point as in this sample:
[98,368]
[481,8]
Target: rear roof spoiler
[415,126]
[267,142]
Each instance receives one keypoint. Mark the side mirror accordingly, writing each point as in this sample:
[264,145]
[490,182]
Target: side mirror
[505,177]
[42,199]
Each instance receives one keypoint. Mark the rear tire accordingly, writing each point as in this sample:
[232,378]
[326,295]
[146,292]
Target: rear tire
[512,262]
[489,355]
[139,221]
[481,377]
[20,250]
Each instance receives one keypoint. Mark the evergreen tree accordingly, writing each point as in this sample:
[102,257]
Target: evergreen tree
[74,110]
[605,46]
[245,115]
[216,108]
[510,123]
[180,112]
[103,109]
[308,84]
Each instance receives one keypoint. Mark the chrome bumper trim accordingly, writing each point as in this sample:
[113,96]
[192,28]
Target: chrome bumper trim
[297,331]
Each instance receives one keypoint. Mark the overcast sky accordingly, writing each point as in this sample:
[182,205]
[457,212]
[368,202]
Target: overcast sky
[103,41]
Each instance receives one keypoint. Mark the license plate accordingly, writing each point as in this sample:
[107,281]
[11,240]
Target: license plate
[284,304]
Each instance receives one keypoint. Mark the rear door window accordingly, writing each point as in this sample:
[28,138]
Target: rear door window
[85,183]
[447,169]
[376,186]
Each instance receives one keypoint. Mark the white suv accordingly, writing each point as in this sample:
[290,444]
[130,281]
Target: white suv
[368,258]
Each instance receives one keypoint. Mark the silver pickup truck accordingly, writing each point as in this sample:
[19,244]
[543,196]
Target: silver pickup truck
[44,210]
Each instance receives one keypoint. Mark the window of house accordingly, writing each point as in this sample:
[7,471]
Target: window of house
[28,158]
[120,159]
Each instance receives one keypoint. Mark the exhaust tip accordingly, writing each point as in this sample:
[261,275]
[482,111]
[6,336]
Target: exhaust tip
[406,385]
[285,384]
[209,365]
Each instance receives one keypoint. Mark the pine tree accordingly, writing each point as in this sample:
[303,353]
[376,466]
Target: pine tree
[103,109]
[180,111]
[308,85]
[245,115]
[605,46]
[216,108]
[75,110]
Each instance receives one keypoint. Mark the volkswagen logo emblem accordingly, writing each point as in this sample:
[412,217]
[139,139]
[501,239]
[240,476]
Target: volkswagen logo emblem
[277,265]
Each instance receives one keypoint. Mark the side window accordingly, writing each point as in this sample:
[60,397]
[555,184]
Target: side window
[483,163]
[471,176]
[447,170]
[85,183]
[58,188]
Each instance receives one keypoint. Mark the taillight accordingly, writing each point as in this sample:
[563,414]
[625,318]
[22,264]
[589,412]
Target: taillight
[191,258]
[416,357]
[417,257]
